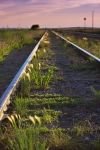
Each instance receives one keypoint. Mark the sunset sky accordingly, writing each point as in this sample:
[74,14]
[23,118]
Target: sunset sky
[48,13]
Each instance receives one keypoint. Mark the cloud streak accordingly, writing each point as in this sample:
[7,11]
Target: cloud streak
[45,11]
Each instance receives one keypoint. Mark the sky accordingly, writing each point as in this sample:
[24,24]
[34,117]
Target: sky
[49,13]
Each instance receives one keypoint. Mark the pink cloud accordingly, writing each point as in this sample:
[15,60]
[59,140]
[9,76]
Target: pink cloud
[48,12]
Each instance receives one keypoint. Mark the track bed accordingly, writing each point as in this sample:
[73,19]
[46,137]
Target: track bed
[77,73]
[67,110]
[11,65]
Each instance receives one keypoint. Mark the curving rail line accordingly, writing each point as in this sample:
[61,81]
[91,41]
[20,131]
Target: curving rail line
[81,49]
[5,98]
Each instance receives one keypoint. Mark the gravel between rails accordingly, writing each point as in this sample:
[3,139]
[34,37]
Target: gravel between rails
[75,75]
[78,75]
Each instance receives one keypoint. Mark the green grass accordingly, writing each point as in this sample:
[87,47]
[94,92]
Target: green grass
[97,94]
[96,144]
[21,105]
[92,46]
[83,128]
[25,85]
[51,101]
[26,134]
[15,39]
[34,122]
[34,106]
[40,79]
[58,139]
[38,75]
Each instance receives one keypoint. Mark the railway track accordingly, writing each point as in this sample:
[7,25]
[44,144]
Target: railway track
[82,34]
[70,91]
[79,48]
[5,98]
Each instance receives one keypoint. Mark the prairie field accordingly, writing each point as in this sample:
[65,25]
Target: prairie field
[86,39]
[11,39]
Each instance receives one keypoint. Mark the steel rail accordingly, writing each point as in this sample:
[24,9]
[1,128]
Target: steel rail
[81,49]
[5,98]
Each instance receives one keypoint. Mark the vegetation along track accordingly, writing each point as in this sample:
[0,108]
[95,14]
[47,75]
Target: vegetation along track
[92,36]
[62,99]
[88,42]
[79,73]
[13,61]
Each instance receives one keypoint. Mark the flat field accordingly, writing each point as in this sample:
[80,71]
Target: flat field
[86,39]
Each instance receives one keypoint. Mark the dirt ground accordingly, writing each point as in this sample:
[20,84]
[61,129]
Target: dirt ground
[11,65]
[75,77]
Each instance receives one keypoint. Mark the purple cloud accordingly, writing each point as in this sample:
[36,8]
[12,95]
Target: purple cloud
[80,9]
[40,9]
